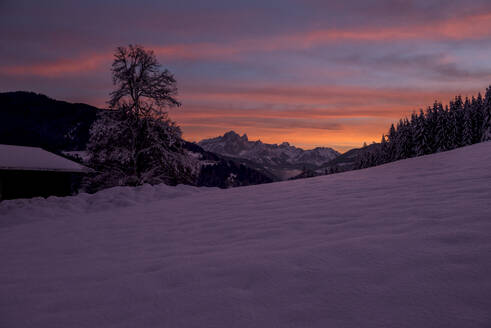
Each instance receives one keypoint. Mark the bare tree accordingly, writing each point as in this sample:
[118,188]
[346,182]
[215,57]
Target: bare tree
[142,87]
[134,142]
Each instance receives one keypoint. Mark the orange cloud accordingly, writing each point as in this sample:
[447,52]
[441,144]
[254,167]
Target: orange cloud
[320,99]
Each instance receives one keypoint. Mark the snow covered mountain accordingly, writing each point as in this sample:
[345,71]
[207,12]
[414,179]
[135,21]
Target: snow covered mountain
[405,244]
[281,160]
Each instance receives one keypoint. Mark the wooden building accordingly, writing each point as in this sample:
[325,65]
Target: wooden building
[27,172]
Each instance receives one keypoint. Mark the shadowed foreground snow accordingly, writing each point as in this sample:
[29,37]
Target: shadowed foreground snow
[406,244]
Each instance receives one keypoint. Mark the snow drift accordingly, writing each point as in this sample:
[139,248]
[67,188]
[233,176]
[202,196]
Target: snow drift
[407,244]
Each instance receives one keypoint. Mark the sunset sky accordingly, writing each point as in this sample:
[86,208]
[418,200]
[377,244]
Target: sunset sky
[311,72]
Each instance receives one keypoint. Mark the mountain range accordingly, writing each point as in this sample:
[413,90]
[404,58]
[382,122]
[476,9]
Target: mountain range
[281,161]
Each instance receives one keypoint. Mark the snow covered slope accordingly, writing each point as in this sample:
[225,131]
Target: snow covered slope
[407,244]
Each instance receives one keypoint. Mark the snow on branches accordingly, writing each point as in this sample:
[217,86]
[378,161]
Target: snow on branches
[134,142]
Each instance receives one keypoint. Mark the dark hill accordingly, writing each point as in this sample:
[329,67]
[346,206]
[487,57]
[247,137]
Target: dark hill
[31,119]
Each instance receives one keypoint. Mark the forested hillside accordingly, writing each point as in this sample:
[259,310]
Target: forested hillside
[439,128]
[31,119]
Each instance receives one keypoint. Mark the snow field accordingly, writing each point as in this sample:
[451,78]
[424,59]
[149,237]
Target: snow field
[406,244]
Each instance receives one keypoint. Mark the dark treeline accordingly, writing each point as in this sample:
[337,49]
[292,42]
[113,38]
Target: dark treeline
[437,129]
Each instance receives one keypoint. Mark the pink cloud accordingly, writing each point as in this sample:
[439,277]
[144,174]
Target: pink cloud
[467,27]
[60,67]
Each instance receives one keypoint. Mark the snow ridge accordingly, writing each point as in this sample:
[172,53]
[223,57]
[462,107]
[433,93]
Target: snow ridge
[18,210]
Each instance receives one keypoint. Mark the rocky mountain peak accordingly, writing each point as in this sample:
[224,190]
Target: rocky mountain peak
[231,136]
[271,156]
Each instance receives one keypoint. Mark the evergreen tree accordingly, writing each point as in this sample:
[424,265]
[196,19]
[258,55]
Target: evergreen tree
[406,140]
[431,121]
[486,113]
[452,127]
[420,138]
[384,151]
[458,121]
[399,142]
[391,148]
[448,130]
[477,118]
[442,129]
[467,124]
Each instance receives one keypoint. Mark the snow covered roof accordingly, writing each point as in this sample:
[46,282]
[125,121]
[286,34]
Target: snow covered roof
[35,159]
